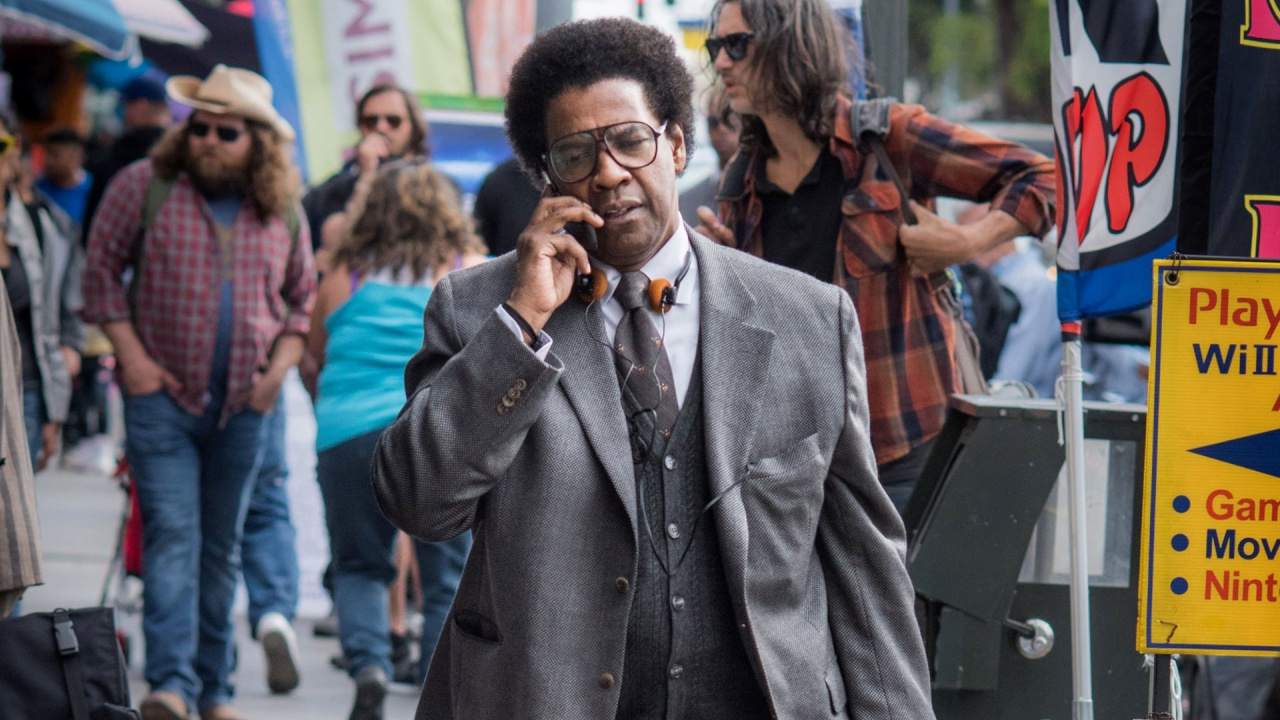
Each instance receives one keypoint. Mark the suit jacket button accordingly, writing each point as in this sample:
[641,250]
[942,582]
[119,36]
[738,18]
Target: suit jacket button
[508,402]
[520,385]
[605,681]
[502,409]
[622,585]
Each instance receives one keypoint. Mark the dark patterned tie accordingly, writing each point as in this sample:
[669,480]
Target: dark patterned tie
[643,366]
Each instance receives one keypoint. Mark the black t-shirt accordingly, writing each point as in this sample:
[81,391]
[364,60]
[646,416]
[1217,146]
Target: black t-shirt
[800,230]
[504,205]
[327,198]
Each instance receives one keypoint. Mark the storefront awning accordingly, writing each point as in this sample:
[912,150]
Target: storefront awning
[95,23]
[163,21]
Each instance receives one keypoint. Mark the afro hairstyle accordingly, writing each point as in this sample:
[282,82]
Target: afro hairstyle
[582,53]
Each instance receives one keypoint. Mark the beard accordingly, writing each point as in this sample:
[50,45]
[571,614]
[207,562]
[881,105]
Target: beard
[214,177]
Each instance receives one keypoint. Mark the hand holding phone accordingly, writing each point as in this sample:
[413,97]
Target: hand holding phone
[584,234]
[553,249]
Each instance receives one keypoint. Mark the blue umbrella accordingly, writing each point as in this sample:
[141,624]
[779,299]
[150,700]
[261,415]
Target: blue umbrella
[95,23]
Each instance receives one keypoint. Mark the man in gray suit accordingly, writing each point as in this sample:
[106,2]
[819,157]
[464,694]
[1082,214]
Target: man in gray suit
[666,466]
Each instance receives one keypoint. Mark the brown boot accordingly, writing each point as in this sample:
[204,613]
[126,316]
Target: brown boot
[220,712]
[163,705]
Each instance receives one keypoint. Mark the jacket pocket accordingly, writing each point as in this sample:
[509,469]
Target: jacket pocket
[477,627]
[835,691]
[788,461]
[870,218]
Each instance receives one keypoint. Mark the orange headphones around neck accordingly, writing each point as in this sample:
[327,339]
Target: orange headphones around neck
[662,294]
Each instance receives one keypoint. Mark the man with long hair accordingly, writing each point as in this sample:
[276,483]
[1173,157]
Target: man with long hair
[805,193]
[391,127]
[222,289]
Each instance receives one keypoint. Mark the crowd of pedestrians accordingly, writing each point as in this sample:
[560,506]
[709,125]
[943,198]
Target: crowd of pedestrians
[192,248]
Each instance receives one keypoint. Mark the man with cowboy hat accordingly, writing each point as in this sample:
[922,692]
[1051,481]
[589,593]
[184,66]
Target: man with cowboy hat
[220,299]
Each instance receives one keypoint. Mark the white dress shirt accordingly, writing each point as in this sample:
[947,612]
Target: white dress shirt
[678,327]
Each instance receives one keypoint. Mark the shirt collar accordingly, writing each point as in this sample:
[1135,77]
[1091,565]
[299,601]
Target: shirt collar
[666,263]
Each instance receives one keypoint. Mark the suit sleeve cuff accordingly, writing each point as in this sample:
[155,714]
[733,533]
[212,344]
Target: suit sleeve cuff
[510,322]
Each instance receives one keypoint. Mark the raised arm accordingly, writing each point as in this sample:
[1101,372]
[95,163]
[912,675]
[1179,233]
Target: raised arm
[456,437]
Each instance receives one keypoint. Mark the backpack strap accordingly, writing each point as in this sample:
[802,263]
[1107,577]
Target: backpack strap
[157,192]
[69,651]
[292,223]
[870,122]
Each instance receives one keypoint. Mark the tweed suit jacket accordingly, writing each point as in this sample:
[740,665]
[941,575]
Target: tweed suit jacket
[533,457]
[19,526]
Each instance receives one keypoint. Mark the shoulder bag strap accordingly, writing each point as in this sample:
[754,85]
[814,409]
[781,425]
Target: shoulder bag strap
[882,157]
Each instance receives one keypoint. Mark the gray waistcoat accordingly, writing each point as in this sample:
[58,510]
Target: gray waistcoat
[684,656]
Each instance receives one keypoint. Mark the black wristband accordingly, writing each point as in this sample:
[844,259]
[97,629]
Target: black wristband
[536,342]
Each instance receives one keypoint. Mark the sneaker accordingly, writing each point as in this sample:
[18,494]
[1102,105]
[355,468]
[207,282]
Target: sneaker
[220,712]
[326,626]
[405,672]
[371,688]
[163,705]
[281,648]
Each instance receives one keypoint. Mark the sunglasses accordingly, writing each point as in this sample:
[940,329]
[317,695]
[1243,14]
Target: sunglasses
[225,133]
[7,144]
[734,43]
[370,122]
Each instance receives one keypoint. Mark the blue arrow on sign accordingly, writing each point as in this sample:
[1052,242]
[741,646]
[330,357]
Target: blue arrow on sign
[1260,452]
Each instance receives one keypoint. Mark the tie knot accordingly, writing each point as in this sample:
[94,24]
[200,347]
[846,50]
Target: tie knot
[632,289]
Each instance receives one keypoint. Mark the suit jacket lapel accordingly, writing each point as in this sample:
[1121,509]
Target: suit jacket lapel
[591,383]
[735,362]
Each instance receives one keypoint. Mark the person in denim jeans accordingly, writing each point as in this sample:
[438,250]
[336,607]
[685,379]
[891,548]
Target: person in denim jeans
[41,260]
[408,233]
[269,556]
[221,297]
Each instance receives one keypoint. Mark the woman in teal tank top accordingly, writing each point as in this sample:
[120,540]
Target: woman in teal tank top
[366,326]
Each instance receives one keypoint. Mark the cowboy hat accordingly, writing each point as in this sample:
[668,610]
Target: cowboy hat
[230,91]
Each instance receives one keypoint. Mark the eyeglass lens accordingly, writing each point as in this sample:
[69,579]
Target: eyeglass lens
[632,145]
[734,43]
[369,122]
[224,133]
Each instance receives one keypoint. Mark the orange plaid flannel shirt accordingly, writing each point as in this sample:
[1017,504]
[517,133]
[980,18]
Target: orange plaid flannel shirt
[908,330]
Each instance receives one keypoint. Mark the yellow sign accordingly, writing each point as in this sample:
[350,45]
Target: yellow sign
[1210,577]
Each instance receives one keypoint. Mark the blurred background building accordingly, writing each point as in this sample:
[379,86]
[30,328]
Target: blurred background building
[64,61]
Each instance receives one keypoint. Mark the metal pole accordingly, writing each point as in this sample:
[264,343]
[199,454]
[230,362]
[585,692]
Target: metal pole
[1160,695]
[949,97]
[884,29]
[1081,654]
[551,13]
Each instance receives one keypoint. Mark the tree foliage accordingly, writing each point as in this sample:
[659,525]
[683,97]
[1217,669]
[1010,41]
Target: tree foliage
[998,48]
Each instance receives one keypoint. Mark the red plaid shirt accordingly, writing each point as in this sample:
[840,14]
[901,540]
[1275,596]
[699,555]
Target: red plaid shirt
[908,331]
[180,276]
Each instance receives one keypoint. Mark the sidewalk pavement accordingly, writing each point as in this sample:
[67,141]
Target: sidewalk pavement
[80,517]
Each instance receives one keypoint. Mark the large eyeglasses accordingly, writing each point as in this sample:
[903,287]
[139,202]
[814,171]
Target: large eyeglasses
[734,43]
[632,145]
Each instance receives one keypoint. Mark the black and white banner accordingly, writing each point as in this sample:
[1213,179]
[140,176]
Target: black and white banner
[1117,84]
